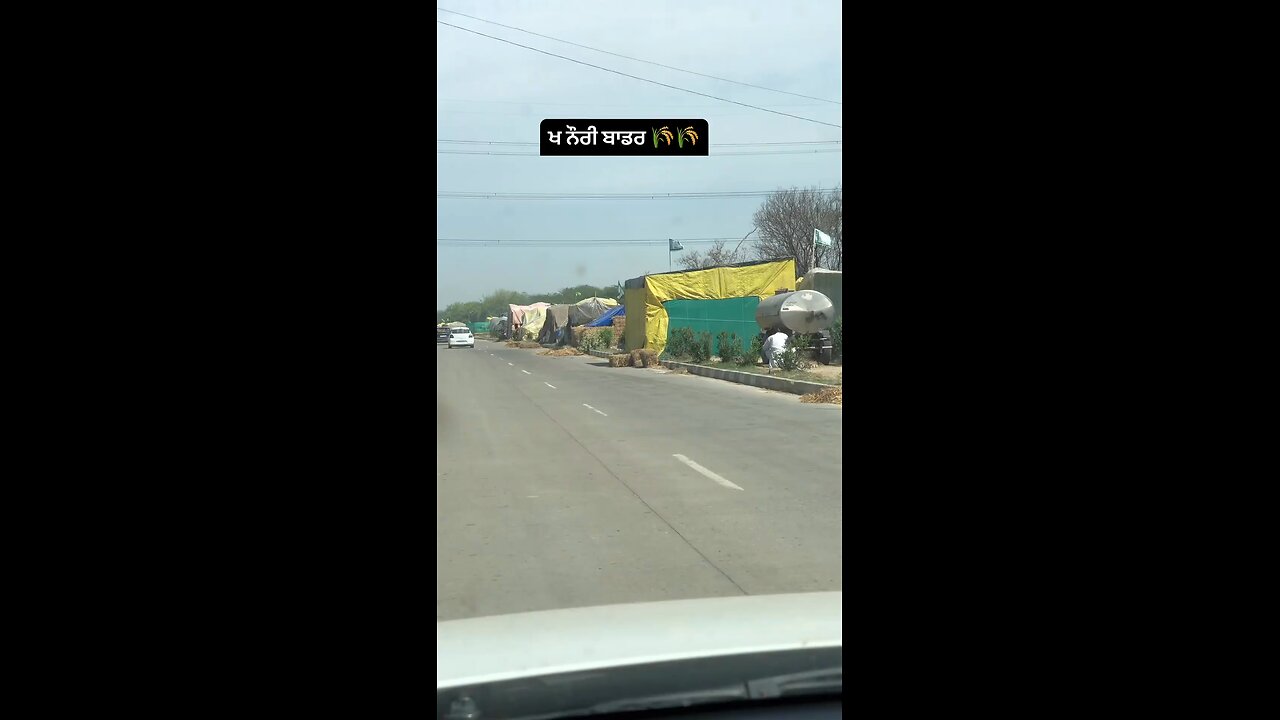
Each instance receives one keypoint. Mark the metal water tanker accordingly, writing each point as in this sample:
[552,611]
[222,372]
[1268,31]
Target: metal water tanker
[803,311]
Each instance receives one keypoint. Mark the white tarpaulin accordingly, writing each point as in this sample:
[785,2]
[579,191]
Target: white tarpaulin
[584,311]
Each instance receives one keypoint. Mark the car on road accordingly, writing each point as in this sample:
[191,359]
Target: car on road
[461,337]
[442,334]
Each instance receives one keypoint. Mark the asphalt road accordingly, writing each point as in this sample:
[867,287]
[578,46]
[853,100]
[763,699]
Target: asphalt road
[561,482]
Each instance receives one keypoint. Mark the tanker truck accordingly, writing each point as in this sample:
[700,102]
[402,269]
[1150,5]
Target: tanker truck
[801,311]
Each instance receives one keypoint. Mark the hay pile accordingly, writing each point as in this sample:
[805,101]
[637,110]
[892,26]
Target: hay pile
[526,344]
[561,352]
[620,360]
[833,395]
[644,357]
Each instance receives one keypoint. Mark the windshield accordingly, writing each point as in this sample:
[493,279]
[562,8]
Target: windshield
[639,214]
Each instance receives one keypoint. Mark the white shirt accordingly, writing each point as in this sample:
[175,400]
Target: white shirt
[776,342]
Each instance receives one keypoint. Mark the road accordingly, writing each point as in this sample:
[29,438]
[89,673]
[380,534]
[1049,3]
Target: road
[562,482]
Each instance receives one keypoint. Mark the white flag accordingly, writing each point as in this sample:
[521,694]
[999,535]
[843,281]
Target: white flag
[821,238]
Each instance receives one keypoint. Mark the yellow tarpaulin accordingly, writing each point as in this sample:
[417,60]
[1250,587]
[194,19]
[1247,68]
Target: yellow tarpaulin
[633,333]
[761,280]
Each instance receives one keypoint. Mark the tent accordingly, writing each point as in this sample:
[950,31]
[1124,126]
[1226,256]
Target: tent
[528,318]
[584,311]
[714,299]
[606,320]
[557,319]
[534,317]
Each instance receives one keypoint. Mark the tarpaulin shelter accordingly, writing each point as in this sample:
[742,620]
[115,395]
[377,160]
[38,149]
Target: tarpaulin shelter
[714,299]
[606,319]
[528,318]
[557,319]
[584,311]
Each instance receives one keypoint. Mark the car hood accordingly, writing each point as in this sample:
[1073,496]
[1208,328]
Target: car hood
[506,647]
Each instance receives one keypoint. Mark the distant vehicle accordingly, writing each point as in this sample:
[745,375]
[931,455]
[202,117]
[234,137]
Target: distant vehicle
[461,337]
[442,334]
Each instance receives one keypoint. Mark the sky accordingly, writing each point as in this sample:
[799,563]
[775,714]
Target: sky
[488,91]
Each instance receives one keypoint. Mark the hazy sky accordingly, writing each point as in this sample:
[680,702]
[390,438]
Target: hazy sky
[487,90]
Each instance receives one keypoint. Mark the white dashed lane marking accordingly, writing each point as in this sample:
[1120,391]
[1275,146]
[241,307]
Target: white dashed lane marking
[544,382]
[706,472]
[592,409]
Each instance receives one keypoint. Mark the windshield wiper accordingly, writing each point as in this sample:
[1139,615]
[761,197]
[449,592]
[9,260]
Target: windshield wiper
[826,681]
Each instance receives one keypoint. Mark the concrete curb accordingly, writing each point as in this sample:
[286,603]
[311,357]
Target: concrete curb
[768,382]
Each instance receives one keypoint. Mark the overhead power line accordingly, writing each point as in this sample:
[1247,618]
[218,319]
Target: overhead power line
[650,62]
[714,154]
[539,103]
[637,77]
[586,241]
[578,243]
[466,194]
[746,144]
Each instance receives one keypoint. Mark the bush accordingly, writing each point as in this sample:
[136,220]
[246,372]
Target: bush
[701,350]
[793,356]
[681,343]
[837,338]
[606,338]
[590,341]
[753,352]
[789,358]
[730,348]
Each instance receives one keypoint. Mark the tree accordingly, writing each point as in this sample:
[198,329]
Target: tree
[786,222]
[717,255]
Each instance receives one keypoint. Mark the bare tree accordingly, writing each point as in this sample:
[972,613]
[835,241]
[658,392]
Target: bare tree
[786,222]
[717,255]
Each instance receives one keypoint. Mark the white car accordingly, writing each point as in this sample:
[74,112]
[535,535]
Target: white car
[461,337]
[743,656]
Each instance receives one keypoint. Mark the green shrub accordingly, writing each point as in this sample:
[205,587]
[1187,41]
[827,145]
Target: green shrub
[680,344]
[728,347]
[788,359]
[798,346]
[753,351]
[590,341]
[606,338]
[735,348]
[837,338]
[701,350]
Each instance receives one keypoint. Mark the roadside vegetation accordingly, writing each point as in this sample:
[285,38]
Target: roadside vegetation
[727,352]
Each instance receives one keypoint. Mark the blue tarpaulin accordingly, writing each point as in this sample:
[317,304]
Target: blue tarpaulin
[606,319]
